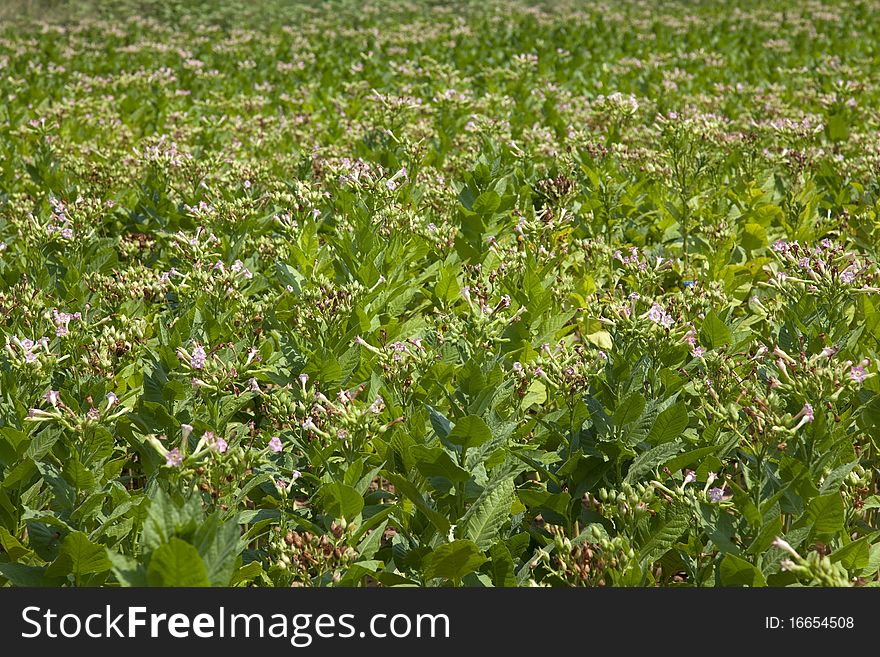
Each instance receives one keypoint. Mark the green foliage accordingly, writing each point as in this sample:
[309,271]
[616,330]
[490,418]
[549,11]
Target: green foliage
[356,294]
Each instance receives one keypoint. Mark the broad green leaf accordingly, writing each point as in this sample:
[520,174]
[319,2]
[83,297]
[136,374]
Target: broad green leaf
[486,203]
[835,477]
[670,424]
[436,462]
[370,544]
[487,515]
[825,514]
[503,570]
[666,530]
[601,339]
[687,458]
[78,556]
[447,289]
[714,333]
[29,576]
[219,543]
[536,393]
[247,573]
[127,571]
[739,572]
[647,461]
[13,548]
[629,410]
[453,560]
[177,563]
[470,431]
[341,500]
[407,489]
[854,555]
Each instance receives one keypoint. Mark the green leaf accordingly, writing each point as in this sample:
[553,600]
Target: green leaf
[647,461]
[78,556]
[764,539]
[13,548]
[219,543]
[485,518]
[453,560]
[670,424]
[371,543]
[556,502]
[439,422]
[745,505]
[447,288]
[601,339]
[739,572]
[854,555]
[341,500]
[629,410]
[836,476]
[665,532]
[127,571]
[826,514]
[165,518]
[486,203]
[684,460]
[470,431]
[247,573]
[436,462]
[78,475]
[177,563]
[714,333]
[29,576]
[406,488]
[503,570]
[536,393]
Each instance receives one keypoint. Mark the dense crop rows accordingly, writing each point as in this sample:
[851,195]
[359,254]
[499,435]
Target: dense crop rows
[414,293]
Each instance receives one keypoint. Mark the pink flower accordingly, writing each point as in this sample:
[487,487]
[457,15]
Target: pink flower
[216,442]
[197,361]
[858,374]
[698,352]
[173,458]
[53,397]
[275,444]
[807,412]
